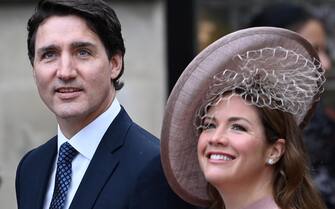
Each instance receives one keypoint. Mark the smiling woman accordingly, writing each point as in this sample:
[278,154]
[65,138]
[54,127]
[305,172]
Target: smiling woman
[231,135]
[232,149]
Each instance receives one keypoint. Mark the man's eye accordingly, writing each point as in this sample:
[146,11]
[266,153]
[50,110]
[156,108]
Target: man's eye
[48,55]
[83,53]
[238,127]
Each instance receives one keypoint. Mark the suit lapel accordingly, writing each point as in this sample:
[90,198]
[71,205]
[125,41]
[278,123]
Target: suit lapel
[104,162]
[42,172]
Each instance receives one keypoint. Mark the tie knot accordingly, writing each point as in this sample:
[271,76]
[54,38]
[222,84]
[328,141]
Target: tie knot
[66,153]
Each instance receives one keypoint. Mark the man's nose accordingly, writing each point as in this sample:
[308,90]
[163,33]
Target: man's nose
[67,68]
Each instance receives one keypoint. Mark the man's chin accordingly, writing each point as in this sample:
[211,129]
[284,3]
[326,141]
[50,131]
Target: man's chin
[67,114]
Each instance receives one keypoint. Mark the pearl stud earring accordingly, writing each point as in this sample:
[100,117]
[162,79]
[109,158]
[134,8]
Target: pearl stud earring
[270,161]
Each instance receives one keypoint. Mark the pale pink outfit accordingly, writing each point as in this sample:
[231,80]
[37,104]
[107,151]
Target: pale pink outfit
[264,203]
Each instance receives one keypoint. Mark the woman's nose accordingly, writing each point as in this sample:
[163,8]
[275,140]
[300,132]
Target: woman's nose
[219,137]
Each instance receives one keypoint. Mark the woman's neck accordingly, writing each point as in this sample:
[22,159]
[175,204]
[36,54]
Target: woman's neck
[240,195]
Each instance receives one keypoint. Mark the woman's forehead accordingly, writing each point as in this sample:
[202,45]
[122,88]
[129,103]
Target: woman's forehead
[232,105]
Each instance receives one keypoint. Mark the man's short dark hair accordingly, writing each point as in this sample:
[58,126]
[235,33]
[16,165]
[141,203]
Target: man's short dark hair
[98,15]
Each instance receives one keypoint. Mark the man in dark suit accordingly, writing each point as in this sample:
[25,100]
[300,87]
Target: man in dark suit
[100,158]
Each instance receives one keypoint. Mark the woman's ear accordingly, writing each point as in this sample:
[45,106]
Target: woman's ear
[275,152]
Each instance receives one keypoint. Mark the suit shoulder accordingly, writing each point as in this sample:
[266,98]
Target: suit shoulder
[39,152]
[134,133]
[143,137]
[153,191]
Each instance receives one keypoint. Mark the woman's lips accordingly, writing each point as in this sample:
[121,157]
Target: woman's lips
[220,156]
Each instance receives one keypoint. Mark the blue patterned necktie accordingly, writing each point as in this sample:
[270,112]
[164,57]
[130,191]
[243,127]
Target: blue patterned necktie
[63,175]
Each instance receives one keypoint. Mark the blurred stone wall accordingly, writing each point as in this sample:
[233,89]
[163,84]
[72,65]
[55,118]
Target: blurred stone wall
[24,120]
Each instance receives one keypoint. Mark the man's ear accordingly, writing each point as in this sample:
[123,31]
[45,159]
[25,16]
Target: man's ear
[116,65]
[275,151]
[34,73]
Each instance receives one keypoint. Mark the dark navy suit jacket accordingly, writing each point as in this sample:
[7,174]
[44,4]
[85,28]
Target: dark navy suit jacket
[124,173]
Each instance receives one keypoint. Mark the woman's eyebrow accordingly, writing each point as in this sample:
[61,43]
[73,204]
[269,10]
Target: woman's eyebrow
[235,118]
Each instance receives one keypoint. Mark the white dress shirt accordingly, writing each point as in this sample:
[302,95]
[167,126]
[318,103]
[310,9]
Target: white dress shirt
[85,142]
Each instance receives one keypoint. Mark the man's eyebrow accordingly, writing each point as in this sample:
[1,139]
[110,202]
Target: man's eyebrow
[80,44]
[42,50]
[53,47]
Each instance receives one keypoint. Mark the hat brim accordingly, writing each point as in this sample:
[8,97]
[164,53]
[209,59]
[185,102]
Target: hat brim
[178,136]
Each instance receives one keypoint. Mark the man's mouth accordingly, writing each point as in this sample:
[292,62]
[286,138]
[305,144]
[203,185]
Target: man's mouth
[68,93]
[67,90]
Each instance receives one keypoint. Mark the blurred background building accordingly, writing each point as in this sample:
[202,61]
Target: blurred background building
[161,38]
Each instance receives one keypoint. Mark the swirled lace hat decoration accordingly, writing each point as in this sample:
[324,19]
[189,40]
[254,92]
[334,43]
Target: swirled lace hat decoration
[276,78]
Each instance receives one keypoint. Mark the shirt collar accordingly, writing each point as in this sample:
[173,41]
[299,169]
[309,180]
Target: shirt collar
[87,139]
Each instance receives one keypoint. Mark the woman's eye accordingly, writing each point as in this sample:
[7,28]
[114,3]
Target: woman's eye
[208,126]
[238,127]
